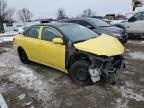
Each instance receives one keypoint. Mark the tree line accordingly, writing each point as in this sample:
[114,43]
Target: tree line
[61,14]
[25,15]
[6,13]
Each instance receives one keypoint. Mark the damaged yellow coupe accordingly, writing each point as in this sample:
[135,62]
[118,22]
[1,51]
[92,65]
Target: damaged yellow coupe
[79,52]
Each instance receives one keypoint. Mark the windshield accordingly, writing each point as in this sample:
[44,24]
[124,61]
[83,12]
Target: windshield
[77,33]
[98,22]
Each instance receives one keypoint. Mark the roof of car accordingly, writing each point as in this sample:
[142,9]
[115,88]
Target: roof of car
[86,18]
[56,24]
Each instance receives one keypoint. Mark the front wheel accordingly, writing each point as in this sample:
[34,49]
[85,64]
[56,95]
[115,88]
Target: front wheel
[79,73]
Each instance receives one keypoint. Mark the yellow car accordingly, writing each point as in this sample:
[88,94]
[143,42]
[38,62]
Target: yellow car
[79,52]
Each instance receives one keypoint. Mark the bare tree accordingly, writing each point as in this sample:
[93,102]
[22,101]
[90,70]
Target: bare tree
[61,14]
[3,9]
[25,15]
[87,13]
[10,14]
[5,12]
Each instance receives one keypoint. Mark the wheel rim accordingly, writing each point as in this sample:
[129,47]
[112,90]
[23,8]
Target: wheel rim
[82,74]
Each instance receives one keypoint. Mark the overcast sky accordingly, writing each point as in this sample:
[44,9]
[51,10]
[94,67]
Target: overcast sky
[48,8]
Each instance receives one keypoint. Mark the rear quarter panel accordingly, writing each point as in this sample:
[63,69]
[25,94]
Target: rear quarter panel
[18,42]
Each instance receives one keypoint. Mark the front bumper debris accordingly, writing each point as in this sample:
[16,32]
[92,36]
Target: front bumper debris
[95,74]
[108,68]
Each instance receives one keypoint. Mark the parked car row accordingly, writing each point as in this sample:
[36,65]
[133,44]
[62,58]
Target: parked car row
[85,55]
[100,27]
[134,25]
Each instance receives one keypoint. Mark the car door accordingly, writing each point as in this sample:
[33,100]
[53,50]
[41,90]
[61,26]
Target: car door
[52,54]
[31,43]
[136,25]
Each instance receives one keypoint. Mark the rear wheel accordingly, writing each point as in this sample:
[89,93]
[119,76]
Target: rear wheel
[23,56]
[79,73]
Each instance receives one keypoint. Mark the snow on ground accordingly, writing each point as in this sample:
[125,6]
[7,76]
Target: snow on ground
[26,77]
[127,94]
[54,90]
[137,55]
[6,39]
[10,33]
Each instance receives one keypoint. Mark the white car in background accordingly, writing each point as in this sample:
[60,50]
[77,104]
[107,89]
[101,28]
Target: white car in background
[17,27]
[22,29]
[123,22]
[119,23]
[134,25]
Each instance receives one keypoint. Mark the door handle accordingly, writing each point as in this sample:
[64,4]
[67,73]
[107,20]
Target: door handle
[128,26]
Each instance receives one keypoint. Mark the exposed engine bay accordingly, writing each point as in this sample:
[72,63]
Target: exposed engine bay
[109,68]
[105,67]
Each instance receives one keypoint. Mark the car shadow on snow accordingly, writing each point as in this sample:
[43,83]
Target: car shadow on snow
[57,75]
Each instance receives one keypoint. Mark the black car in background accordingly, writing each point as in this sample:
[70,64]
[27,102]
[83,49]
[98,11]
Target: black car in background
[101,27]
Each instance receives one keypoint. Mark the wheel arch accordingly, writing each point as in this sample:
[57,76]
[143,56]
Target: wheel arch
[76,57]
[19,49]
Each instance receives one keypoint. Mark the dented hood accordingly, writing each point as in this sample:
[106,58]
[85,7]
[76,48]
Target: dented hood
[104,45]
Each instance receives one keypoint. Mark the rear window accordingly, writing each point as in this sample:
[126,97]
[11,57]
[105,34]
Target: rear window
[32,32]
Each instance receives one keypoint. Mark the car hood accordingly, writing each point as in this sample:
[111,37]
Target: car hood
[108,30]
[103,45]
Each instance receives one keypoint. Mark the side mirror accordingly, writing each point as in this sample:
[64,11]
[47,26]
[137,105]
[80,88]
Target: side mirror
[132,19]
[57,41]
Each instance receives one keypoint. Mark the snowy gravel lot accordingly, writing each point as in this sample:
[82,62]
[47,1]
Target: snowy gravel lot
[38,86]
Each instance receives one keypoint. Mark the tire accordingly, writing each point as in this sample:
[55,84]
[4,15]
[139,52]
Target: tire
[23,56]
[79,73]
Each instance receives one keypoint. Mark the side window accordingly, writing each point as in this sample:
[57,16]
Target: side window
[139,16]
[84,23]
[143,16]
[32,32]
[49,33]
